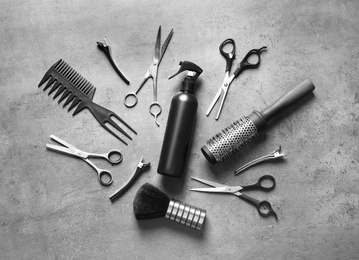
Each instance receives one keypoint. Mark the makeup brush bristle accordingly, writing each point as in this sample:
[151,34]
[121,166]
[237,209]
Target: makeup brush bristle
[150,203]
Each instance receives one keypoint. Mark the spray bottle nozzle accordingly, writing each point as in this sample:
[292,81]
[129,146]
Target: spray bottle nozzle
[194,70]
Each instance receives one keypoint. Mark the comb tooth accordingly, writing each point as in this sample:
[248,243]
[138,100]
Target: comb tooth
[59,91]
[92,93]
[59,65]
[75,80]
[69,73]
[88,87]
[49,83]
[62,66]
[73,76]
[79,108]
[44,79]
[64,95]
[54,87]
[69,99]
[85,86]
[81,83]
[73,104]
[90,90]
[67,69]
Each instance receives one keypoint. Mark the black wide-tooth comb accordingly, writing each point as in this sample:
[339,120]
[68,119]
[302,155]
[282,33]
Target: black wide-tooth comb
[68,82]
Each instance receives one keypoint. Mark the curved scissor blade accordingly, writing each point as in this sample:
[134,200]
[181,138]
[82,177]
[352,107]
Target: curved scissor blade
[165,44]
[157,46]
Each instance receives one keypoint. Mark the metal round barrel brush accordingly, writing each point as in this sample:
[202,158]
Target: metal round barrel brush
[239,133]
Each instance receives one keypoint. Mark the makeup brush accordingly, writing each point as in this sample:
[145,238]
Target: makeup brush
[150,203]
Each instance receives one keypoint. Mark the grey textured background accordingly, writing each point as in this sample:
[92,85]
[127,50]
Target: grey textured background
[51,205]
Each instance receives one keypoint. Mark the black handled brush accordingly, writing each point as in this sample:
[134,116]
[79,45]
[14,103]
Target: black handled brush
[68,82]
[239,133]
[150,203]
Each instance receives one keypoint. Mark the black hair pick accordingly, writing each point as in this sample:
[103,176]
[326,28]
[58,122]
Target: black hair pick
[150,203]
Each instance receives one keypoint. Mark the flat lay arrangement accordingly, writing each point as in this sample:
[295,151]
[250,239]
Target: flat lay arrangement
[150,202]
[179,129]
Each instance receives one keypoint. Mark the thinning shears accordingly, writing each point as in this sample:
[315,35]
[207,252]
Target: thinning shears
[152,72]
[243,65]
[113,156]
[264,183]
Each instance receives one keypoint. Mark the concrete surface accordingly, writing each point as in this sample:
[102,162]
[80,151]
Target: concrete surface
[52,206]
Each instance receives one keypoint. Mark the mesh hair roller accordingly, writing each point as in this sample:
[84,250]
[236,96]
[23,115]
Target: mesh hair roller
[239,133]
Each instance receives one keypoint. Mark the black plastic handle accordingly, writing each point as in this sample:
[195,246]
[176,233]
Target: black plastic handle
[229,56]
[264,183]
[263,207]
[288,99]
[245,64]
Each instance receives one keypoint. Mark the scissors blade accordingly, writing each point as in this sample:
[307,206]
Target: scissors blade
[209,183]
[165,44]
[224,91]
[156,58]
[64,143]
[214,190]
[62,149]
[214,101]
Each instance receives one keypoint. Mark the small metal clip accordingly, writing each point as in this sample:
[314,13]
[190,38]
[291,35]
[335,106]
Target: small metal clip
[273,155]
[107,50]
[140,168]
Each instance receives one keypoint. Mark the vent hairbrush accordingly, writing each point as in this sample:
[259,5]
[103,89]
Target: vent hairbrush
[239,133]
[68,82]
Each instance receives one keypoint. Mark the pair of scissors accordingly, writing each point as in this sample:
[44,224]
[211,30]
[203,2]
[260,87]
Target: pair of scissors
[152,72]
[243,65]
[113,156]
[264,183]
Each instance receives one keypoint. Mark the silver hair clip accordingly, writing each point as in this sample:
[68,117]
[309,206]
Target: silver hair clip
[273,155]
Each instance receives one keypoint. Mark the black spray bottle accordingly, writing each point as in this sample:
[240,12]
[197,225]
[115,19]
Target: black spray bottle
[180,124]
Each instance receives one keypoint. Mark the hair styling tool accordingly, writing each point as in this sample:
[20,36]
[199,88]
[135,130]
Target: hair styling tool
[107,50]
[80,92]
[141,167]
[239,133]
[152,72]
[150,203]
[264,183]
[243,65]
[180,124]
[113,156]
[273,155]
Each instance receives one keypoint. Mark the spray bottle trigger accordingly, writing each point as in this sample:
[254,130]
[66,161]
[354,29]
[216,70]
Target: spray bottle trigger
[187,65]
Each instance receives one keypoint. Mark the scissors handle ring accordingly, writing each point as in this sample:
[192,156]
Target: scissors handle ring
[114,156]
[265,209]
[101,174]
[128,99]
[229,56]
[156,112]
[266,183]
